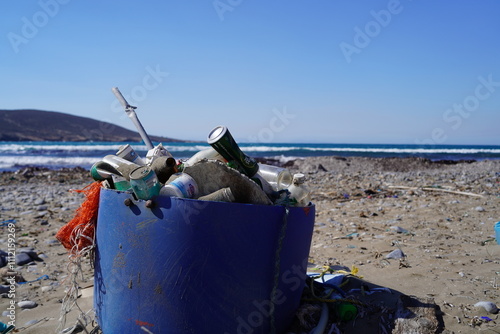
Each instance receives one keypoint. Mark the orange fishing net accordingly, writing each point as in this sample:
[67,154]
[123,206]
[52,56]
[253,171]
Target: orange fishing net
[79,232]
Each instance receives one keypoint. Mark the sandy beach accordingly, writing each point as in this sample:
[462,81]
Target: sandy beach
[441,216]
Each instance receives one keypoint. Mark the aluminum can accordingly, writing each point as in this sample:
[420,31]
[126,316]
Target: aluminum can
[120,183]
[128,153]
[223,142]
[123,166]
[102,171]
[144,182]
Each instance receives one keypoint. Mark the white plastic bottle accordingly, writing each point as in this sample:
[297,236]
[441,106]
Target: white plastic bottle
[180,185]
[208,153]
[299,191]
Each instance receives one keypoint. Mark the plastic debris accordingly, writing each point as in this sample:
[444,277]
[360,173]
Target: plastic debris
[221,172]
[79,232]
[395,254]
[221,166]
[488,306]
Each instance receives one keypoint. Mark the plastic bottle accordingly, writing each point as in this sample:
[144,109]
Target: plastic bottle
[278,177]
[265,186]
[346,311]
[180,185]
[159,151]
[164,167]
[299,191]
[208,153]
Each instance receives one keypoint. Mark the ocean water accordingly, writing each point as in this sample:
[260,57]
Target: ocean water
[54,155]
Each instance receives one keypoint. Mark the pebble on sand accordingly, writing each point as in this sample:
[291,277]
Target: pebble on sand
[27,304]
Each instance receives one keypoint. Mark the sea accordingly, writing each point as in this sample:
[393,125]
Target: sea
[56,155]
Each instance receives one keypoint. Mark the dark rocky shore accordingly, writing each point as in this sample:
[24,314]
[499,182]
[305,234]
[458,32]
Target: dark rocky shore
[440,215]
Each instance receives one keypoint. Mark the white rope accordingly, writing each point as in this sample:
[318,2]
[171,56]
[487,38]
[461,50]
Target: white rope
[75,276]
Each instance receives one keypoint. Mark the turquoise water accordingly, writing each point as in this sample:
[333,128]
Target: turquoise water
[15,155]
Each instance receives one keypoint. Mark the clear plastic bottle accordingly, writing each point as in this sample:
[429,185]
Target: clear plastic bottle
[299,191]
[278,177]
[264,185]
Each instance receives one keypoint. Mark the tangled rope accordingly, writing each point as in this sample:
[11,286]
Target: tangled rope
[78,236]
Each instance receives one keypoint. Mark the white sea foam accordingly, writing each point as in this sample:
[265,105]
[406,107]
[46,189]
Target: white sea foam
[370,150]
[60,154]
[194,147]
[25,147]
[13,161]
[12,148]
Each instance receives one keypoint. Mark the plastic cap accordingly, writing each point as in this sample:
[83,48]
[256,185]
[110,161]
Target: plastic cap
[347,311]
[299,178]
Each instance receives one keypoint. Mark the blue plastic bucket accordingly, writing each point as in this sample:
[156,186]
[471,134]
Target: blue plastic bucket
[189,266]
[497,232]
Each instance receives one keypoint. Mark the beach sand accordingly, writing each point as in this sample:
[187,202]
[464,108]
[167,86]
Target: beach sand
[440,215]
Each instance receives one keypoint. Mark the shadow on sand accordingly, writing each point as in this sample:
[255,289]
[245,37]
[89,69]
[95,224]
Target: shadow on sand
[379,310]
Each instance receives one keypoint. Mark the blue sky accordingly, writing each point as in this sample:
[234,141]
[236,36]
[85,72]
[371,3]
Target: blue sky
[272,71]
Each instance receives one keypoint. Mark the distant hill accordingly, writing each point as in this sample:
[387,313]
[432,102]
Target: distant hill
[38,125]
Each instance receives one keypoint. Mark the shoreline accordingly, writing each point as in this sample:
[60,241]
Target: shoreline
[361,217]
[282,161]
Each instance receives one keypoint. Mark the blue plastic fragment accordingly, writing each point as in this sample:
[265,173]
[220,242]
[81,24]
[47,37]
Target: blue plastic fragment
[7,222]
[38,279]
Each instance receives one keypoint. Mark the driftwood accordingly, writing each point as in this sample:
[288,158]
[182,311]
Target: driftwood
[436,189]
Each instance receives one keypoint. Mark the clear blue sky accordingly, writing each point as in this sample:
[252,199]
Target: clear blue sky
[276,71]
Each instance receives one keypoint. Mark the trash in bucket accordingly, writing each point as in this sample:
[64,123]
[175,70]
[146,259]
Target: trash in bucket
[216,243]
